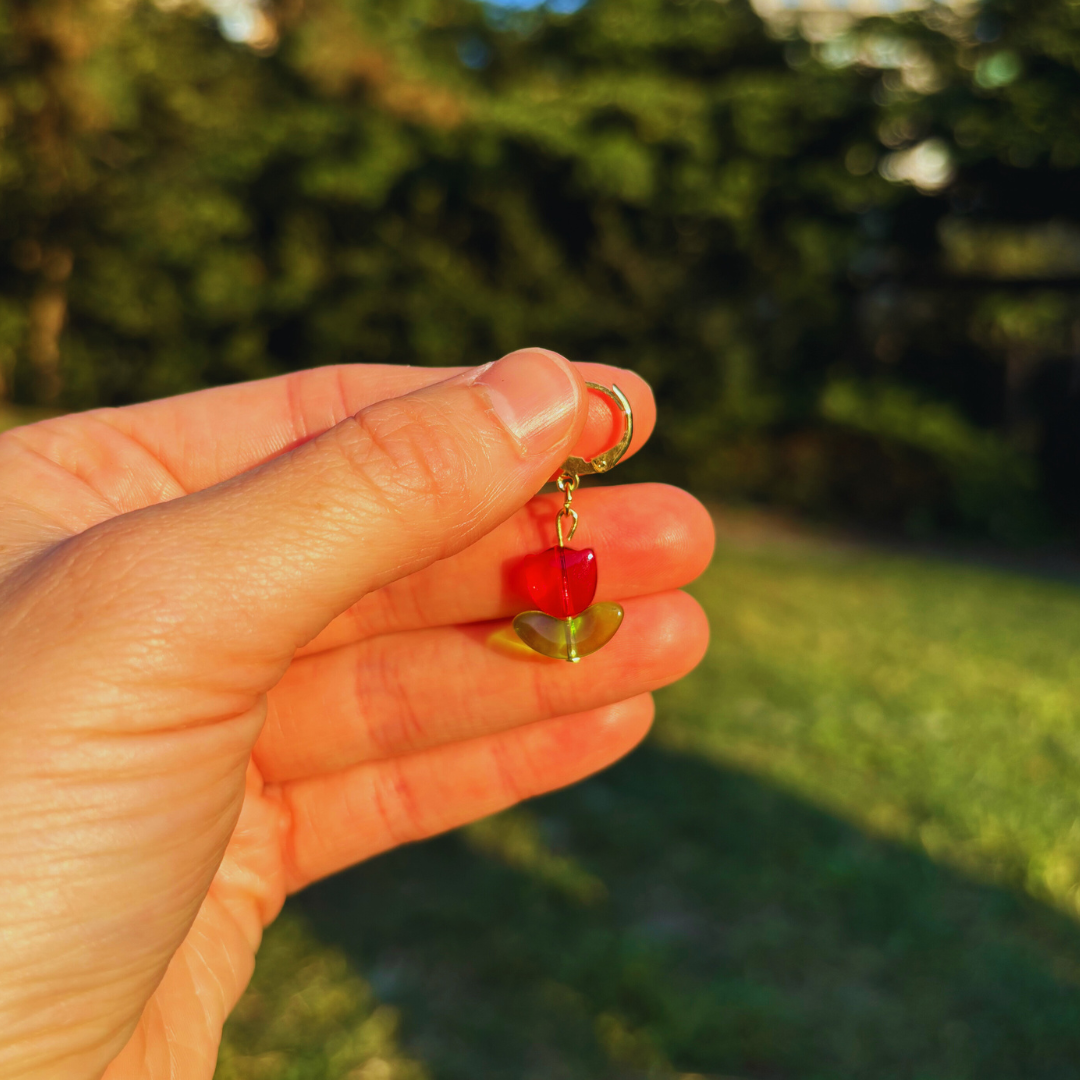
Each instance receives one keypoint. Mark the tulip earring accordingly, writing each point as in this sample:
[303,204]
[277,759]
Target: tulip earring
[562,580]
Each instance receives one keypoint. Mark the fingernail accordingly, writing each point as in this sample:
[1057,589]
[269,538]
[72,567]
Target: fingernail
[534,394]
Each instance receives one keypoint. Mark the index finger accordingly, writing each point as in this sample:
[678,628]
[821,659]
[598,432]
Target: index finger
[208,436]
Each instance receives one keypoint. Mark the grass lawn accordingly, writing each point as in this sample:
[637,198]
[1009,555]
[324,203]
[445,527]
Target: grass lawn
[851,849]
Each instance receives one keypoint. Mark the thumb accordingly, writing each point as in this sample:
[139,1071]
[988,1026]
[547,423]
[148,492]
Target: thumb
[265,560]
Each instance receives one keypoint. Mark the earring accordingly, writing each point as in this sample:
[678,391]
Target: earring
[562,580]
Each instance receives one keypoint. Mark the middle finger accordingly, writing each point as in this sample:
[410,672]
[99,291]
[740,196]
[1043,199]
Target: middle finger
[647,538]
[400,693]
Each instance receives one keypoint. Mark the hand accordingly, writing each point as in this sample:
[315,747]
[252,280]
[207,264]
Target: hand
[246,641]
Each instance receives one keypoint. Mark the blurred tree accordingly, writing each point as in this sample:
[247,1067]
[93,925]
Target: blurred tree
[846,253]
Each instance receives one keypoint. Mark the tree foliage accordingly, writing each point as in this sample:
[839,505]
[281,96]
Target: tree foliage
[846,254]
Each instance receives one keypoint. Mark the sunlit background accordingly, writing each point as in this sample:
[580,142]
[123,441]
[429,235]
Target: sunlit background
[842,240]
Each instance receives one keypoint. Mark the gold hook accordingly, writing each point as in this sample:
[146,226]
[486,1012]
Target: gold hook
[567,484]
[605,462]
[572,514]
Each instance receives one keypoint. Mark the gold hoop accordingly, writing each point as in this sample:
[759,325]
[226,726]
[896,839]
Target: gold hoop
[605,462]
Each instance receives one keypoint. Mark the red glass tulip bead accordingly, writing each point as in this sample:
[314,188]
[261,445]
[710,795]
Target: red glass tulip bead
[561,580]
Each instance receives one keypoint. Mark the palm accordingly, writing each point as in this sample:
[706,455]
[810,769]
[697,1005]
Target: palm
[260,766]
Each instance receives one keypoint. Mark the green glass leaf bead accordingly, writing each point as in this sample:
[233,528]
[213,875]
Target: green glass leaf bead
[569,639]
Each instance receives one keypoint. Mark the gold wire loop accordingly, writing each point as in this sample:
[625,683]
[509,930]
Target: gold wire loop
[571,513]
[567,484]
[605,462]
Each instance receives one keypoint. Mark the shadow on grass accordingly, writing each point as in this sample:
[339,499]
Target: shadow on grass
[670,917]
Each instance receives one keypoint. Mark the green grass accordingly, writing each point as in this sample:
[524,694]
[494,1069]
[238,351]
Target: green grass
[851,849]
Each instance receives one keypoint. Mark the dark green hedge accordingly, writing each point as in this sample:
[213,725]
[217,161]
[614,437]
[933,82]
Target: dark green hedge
[726,206]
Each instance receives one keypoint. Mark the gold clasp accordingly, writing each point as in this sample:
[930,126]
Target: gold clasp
[605,462]
[567,484]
